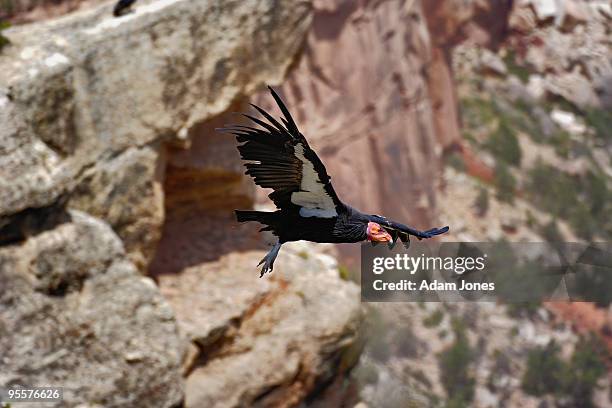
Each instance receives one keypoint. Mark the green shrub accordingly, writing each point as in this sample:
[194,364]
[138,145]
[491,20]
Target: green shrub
[551,232]
[482,202]
[552,189]
[562,143]
[434,319]
[455,160]
[575,380]
[582,221]
[601,121]
[523,309]
[593,282]
[515,68]
[454,363]
[344,273]
[502,365]
[520,114]
[523,106]
[545,371]
[504,144]
[596,189]
[581,201]
[505,182]
[477,112]
[3,40]
[469,136]
[586,366]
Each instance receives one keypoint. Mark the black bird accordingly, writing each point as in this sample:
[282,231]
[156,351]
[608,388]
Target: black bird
[122,7]
[278,156]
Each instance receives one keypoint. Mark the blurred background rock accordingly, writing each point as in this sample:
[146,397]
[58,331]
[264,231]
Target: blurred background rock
[124,278]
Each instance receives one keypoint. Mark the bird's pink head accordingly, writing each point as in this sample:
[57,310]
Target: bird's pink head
[377,233]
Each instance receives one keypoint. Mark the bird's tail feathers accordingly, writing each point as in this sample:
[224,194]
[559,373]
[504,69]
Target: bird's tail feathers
[252,215]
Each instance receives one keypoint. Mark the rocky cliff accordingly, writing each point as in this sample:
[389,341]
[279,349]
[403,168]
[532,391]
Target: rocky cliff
[89,105]
[75,124]
[110,170]
[75,313]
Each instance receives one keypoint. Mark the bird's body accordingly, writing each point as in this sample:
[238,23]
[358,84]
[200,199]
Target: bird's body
[278,156]
[289,226]
[122,7]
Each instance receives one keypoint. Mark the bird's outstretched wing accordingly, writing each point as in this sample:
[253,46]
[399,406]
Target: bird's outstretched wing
[278,157]
[403,232]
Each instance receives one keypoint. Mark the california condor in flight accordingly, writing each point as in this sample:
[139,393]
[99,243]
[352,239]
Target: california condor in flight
[278,156]
[123,7]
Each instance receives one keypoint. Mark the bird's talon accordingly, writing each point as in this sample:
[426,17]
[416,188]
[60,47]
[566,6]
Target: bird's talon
[266,268]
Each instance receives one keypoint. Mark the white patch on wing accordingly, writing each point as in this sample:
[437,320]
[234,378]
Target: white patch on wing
[313,198]
[307,212]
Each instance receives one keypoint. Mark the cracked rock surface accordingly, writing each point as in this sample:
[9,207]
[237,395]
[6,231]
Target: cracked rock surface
[268,343]
[75,313]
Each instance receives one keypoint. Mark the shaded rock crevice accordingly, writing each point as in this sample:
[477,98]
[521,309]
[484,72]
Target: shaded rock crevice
[204,182]
[15,228]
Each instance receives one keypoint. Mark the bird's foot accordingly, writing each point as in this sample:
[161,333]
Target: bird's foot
[268,260]
[268,265]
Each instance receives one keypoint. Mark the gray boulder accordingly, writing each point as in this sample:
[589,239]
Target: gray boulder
[268,343]
[74,313]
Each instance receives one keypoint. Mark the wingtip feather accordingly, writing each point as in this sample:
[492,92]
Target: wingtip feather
[288,120]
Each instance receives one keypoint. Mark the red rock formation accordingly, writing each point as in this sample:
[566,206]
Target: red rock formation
[27,11]
[586,318]
[375,94]
[451,22]
[360,94]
